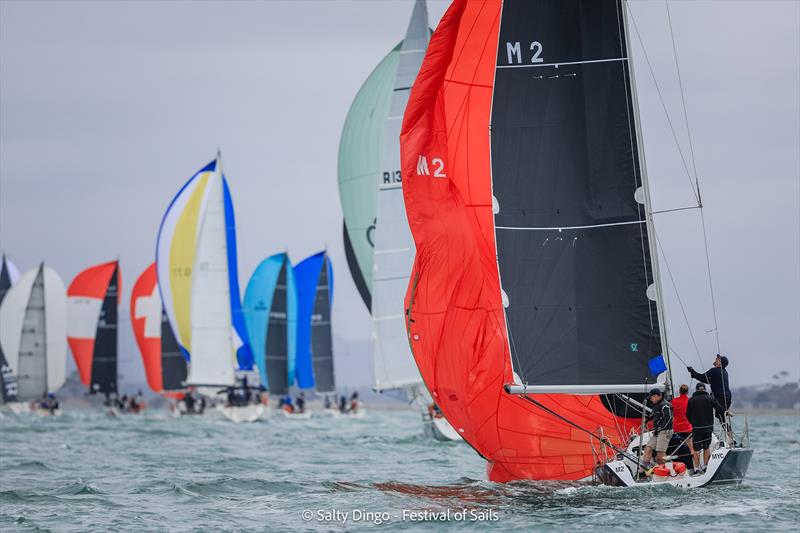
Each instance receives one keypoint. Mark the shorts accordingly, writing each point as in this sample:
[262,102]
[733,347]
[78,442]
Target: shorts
[701,440]
[660,442]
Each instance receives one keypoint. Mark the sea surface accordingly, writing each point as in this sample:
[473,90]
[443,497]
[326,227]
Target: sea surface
[85,471]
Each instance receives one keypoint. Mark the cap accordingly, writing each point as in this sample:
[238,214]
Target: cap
[700,386]
[654,391]
[723,360]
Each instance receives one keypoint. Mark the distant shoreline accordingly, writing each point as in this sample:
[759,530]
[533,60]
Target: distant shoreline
[757,411]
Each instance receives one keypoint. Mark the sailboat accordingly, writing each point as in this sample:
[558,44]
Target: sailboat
[93,300]
[270,310]
[164,364]
[534,307]
[379,246]
[33,337]
[196,266]
[314,280]
[9,274]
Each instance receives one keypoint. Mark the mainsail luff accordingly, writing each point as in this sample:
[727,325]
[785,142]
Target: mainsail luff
[648,204]
[394,246]
[456,320]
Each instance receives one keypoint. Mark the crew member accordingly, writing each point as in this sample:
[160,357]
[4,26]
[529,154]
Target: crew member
[301,403]
[354,402]
[717,378]
[662,429]
[700,412]
[682,427]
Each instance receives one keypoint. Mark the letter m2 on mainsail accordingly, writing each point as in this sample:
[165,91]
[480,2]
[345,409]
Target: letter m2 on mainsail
[422,166]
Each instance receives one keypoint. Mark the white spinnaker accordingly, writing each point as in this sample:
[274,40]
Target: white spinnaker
[213,355]
[394,246]
[54,335]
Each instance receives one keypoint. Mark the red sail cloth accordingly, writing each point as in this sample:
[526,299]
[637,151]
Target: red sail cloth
[142,311]
[456,323]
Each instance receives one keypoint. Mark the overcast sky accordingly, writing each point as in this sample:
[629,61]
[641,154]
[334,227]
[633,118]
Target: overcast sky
[107,108]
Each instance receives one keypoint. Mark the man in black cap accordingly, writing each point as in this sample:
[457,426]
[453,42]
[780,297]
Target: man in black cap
[700,412]
[717,378]
[661,413]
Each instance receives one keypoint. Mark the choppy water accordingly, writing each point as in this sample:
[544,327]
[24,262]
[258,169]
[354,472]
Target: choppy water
[85,471]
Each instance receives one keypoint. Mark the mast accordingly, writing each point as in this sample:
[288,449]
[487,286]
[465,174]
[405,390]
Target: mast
[662,327]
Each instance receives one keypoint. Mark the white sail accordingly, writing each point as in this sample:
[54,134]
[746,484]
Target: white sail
[213,352]
[394,246]
[33,332]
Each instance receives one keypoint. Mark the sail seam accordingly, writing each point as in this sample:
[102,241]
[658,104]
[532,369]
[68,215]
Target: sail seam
[559,228]
[536,65]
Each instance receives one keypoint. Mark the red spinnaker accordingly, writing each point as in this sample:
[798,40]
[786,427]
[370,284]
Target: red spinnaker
[84,302]
[456,322]
[146,323]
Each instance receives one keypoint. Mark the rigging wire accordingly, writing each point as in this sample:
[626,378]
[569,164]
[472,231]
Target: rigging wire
[663,105]
[683,103]
[696,178]
[696,185]
[677,294]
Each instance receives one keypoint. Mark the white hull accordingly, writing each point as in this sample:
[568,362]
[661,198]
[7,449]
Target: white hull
[19,408]
[246,413]
[440,429]
[727,466]
[296,416]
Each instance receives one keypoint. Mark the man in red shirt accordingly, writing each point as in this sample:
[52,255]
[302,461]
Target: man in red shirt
[681,426]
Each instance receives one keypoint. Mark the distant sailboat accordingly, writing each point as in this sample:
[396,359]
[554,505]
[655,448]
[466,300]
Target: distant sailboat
[197,274]
[270,307]
[8,382]
[367,139]
[370,188]
[93,300]
[33,337]
[314,279]
[163,361]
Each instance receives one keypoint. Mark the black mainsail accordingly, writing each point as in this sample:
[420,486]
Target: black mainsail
[573,244]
